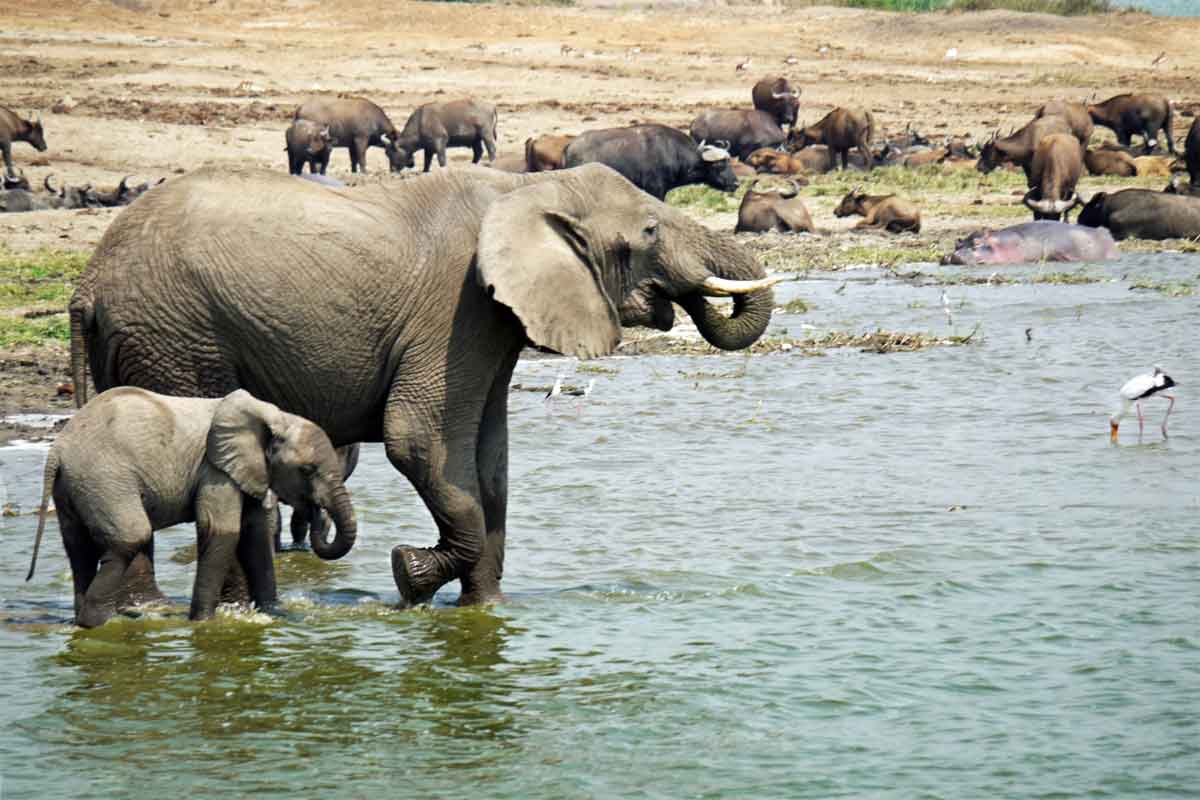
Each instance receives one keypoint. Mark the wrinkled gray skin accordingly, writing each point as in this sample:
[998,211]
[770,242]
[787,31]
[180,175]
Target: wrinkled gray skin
[1034,242]
[310,519]
[1143,214]
[15,129]
[435,126]
[132,462]
[354,123]
[427,291]
[307,142]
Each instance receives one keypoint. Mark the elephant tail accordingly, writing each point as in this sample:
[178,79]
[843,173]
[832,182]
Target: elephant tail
[81,314]
[48,477]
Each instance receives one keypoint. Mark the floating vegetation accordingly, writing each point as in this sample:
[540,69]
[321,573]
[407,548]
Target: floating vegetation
[597,369]
[1180,289]
[796,306]
[879,341]
[566,387]
[995,278]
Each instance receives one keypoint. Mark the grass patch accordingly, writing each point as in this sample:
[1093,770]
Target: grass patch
[886,255]
[1064,7]
[703,198]
[879,341]
[1181,289]
[34,291]
[907,180]
[796,306]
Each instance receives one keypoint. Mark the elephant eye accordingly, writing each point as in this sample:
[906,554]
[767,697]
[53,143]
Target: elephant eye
[651,229]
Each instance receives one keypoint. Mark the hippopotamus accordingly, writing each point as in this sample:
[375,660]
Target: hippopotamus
[1034,241]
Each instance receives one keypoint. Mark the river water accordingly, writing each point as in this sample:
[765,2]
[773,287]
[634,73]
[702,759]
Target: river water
[859,575]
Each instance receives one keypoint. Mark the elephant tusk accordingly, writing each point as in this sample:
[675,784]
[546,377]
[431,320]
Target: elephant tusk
[723,287]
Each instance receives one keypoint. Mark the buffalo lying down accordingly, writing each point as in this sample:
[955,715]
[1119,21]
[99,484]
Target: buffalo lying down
[1034,242]
[1144,214]
[773,210]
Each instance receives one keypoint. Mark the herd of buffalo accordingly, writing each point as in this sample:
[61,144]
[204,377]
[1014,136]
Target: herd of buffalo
[723,146]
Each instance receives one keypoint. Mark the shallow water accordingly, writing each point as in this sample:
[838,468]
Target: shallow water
[858,575]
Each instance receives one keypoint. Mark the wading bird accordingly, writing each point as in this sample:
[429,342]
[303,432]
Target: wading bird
[1137,389]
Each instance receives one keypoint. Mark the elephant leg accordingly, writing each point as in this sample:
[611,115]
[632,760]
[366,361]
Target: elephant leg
[6,150]
[443,471]
[482,584]
[428,159]
[139,586]
[218,528]
[490,144]
[82,552]
[476,151]
[256,555]
[100,601]
[441,154]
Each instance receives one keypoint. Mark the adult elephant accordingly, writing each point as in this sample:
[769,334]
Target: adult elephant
[396,313]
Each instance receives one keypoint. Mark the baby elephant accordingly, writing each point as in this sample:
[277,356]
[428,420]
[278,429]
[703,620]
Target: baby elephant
[131,462]
[885,211]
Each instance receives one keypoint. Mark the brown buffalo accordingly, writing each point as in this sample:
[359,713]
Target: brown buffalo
[841,130]
[885,211]
[741,170]
[779,210]
[435,126]
[1109,162]
[774,95]
[546,152]
[1018,148]
[1075,114]
[353,122]
[1154,166]
[1054,171]
[922,158]
[773,162]
[15,129]
[1141,114]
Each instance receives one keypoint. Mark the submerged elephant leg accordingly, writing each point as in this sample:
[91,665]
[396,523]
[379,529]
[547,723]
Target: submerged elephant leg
[100,601]
[82,552]
[139,586]
[482,584]
[256,555]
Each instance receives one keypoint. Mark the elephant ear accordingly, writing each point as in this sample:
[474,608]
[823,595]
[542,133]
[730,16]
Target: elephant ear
[541,261]
[242,430]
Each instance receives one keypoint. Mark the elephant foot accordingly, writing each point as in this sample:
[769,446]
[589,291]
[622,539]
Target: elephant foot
[138,586]
[477,597]
[416,574]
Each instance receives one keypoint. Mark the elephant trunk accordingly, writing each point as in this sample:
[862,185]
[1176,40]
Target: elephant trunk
[742,277]
[342,511]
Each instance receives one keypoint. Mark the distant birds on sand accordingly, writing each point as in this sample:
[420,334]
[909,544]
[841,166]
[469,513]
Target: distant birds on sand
[1137,389]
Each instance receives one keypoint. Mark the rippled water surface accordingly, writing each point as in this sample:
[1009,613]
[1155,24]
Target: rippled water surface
[859,575]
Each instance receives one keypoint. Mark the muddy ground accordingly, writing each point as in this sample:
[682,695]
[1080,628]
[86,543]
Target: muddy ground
[153,88]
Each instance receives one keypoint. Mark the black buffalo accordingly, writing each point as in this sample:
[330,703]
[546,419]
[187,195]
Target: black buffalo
[654,158]
[741,131]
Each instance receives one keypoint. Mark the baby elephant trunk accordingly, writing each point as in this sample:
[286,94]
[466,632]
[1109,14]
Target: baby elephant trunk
[342,511]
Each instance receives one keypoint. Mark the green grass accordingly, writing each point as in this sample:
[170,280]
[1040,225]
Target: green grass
[699,197]
[32,284]
[905,180]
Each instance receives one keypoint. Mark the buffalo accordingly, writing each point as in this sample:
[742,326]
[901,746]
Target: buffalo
[1144,214]
[1109,162]
[779,210]
[307,142]
[1074,114]
[435,126]
[546,152]
[1192,153]
[654,158]
[1142,114]
[354,123]
[741,132]
[15,129]
[774,162]
[885,211]
[1053,173]
[1018,148]
[841,130]
[775,96]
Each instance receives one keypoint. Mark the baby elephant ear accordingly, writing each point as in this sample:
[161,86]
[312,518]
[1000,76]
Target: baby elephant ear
[542,261]
[241,432]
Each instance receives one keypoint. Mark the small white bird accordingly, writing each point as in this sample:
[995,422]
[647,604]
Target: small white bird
[584,392]
[742,65]
[951,54]
[556,390]
[1137,389]
[946,308]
